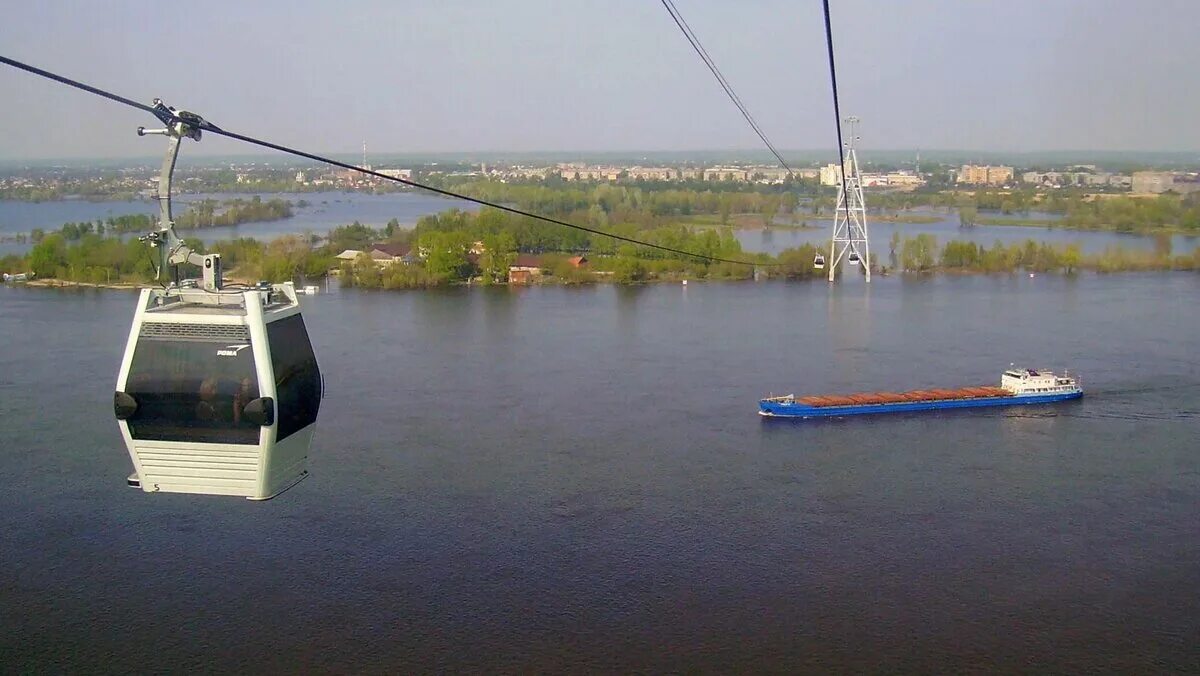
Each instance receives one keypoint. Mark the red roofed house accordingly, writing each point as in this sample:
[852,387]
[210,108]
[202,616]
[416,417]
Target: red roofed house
[524,269]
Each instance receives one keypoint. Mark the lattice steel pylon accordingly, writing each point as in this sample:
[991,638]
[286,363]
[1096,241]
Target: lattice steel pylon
[849,242]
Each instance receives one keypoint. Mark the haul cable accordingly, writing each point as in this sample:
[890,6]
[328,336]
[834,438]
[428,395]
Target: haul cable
[712,66]
[837,113]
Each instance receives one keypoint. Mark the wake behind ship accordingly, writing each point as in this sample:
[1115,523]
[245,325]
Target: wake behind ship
[1017,387]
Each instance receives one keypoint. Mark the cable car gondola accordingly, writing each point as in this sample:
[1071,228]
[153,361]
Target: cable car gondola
[853,258]
[819,262]
[219,388]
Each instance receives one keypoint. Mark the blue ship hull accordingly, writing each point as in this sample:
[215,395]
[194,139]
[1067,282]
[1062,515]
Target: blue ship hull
[779,409]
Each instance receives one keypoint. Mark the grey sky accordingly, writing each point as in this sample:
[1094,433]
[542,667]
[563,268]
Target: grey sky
[556,75]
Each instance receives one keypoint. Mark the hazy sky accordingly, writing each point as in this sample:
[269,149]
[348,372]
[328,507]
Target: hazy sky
[563,75]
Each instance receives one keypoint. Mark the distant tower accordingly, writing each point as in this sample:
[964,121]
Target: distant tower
[849,241]
[918,168]
[364,164]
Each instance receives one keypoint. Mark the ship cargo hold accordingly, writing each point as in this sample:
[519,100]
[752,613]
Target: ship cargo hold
[1017,387]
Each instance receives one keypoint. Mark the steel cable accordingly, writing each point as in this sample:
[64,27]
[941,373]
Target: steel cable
[712,66]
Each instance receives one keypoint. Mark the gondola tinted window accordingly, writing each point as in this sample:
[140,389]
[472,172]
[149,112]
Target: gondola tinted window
[297,377]
[192,390]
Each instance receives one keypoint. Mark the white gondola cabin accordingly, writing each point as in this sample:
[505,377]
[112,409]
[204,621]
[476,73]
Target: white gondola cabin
[218,391]
[819,262]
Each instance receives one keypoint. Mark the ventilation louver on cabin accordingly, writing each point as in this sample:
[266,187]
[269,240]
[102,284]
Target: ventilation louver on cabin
[205,332]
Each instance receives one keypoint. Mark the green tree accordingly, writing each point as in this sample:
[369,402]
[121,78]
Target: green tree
[626,270]
[1162,245]
[788,203]
[499,252]
[49,254]
[362,272]
[961,255]
[446,255]
[917,253]
[1072,257]
[797,262]
[968,209]
[285,258]
[354,236]
[726,207]
[768,210]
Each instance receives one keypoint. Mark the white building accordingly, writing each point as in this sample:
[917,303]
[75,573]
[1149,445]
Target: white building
[1152,181]
[405,174]
[830,174]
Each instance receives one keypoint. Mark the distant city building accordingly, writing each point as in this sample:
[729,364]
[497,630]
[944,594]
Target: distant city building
[771,175]
[1152,181]
[895,179]
[1186,183]
[1121,181]
[345,176]
[830,175]
[405,174]
[727,174]
[578,172]
[652,173]
[1083,179]
[976,174]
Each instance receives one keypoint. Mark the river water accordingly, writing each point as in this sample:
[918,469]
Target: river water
[325,211]
[550,479]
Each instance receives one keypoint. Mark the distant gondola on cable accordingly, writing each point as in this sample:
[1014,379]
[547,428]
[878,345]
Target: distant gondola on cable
[219,388]
[819,262]
[853,258]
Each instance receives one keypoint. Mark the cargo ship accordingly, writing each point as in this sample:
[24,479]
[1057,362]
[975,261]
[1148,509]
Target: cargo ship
[1017,387]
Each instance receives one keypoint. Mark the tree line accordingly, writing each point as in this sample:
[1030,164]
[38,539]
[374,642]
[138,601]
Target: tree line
[203,214]
[921,254]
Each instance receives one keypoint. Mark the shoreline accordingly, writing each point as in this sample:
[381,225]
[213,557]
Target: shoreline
[1057,225]
[52,283]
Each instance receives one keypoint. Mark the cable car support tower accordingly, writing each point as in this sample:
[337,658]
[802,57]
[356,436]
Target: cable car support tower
[849,243]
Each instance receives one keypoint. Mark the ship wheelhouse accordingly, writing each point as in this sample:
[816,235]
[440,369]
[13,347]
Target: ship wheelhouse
[1024,381]
[218,392]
